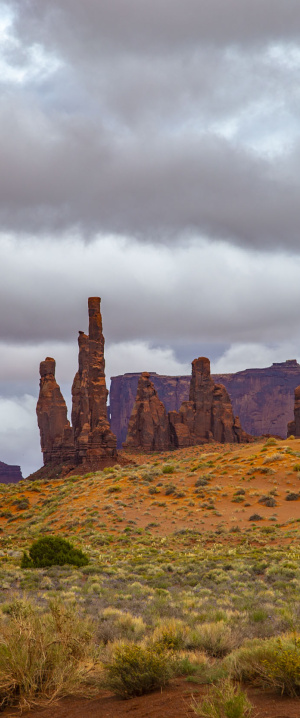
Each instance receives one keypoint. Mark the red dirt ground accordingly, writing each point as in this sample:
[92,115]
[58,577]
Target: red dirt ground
[174,701]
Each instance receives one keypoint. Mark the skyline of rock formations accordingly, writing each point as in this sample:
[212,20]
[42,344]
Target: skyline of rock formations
[263,398]
[89,440]
[207,416]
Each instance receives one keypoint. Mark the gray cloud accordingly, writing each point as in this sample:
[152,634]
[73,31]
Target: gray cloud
[152,122]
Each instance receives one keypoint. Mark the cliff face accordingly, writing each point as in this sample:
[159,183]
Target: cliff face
[262,398]
[10,474]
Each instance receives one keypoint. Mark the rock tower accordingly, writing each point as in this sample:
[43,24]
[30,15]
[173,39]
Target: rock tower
[89,440]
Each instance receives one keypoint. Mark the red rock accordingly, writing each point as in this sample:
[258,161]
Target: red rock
[90,440]
[57,441]
[80,400]
[10,474]
[294,426]
[208,415]
[262,398]
[148,428]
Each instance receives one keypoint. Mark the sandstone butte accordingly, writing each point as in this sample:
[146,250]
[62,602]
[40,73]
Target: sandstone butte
[207,416]
[10,474]
[293,428]
[89,441]
[262,398]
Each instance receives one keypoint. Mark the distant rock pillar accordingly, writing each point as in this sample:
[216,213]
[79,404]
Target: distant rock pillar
[294,426]
[57,442]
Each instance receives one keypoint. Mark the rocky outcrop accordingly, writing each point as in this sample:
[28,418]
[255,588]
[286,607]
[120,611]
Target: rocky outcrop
[90,439]
[262,398]
[148,428]
[207,416]
[172,390]
[57,441]
[10,474]
[293,428]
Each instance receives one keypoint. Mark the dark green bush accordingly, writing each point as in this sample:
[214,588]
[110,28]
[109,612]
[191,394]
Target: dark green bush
[53,551]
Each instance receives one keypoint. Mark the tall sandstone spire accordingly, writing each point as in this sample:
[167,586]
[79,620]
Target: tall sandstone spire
[94,440]
[90,439]
[57,441]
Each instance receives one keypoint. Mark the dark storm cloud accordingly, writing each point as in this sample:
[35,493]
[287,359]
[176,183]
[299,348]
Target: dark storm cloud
[156,26]
[149,123]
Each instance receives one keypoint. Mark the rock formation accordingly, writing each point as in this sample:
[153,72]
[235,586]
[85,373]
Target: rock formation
[57,441]
[207,416]
[293,428]
[262,398]
[94,439]
[90,439]
[10,474]
[148,428]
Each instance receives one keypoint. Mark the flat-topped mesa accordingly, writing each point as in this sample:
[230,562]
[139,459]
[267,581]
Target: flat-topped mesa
[148,428]
[10,474]
[57,440]
[208,415]
[293,428]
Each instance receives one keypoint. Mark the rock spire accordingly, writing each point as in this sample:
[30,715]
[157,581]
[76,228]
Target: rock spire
[90,439]
[207,416]
[294,426]
[148,426]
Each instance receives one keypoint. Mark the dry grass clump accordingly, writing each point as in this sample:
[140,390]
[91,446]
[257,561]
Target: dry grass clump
[116,624]
[224,700]
[170,634]
[134,670]
[273,663]
[215,639]
[43,656]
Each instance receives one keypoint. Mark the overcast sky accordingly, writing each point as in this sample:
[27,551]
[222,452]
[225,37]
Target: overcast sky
[149,155]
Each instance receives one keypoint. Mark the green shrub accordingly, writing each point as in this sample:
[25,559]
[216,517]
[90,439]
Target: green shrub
[53,551]
[170,634]
[224,700]
[168,469]
[273,662]
[134,670]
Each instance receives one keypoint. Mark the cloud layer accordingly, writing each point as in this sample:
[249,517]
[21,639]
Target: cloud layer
[149,155]
[162,121]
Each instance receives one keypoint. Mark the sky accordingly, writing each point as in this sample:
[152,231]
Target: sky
[150,156]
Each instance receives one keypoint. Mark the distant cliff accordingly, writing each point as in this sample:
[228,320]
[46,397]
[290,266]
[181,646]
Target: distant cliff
[10,474]
[262,398]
